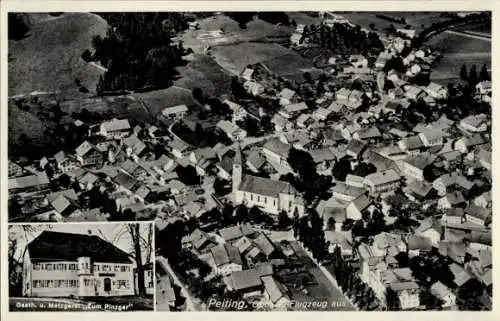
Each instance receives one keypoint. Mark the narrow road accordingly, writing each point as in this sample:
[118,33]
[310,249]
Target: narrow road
[322,274]
[190,305]
[468,35]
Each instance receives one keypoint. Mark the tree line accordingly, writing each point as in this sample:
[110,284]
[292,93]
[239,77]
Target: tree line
[452,22]
[344,39]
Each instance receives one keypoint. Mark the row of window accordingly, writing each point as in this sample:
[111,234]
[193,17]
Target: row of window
[55,284]
[55,266]
[74,267]
[259,199]
[74,283]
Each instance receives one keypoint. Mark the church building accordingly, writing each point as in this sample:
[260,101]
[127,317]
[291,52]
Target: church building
[269,195]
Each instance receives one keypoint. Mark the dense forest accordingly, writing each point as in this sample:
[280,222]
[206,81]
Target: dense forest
[272,17]
[138,51]
[343,39]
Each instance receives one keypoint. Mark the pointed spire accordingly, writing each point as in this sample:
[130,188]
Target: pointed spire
[237,156]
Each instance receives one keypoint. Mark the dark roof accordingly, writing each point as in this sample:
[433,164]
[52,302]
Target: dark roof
[58,246]
[356,146]
[419,243]
[265,186]
[264,244]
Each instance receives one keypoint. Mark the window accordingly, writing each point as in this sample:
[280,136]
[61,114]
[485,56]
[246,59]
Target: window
[96,267]
[48,267]
[73,267]
[125,268]
[123,284]
[73,283]
[50,284]
[37,266]
[274,202]
[251,197]
[258,199]
[289,204]
[117,268]
[265,200]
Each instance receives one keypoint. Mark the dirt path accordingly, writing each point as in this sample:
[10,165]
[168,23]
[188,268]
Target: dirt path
[35,93]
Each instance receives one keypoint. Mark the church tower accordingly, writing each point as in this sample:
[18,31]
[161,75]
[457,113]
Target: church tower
[237,169]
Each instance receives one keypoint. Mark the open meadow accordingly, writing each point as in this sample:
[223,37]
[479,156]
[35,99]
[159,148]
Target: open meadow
[458,50]
[49,58]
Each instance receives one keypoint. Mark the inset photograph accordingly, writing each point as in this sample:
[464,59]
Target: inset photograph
[81,267]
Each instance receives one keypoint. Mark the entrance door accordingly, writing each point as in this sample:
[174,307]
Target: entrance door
[107,285]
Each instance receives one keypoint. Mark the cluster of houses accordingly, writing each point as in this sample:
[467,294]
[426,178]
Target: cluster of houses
[248,261]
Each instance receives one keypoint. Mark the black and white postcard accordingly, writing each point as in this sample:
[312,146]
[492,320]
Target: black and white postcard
[313,160]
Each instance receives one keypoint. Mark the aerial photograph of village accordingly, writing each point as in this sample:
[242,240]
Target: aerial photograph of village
[283,161]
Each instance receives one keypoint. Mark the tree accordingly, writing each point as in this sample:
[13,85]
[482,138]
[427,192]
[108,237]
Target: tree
[429,174]
[140,243]
[364,169]
[242,212]
[254,215]
[64,180]
[220,187]
[227,214]
[307,77]
[473,77]
[469,294]
[198,95]
[301,162]
[392,300]
[187,175]
[283,220]
[484,74]
[237,89]
[341,169]
[463,73]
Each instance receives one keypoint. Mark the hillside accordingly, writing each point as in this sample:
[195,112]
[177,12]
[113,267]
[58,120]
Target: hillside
[48,59]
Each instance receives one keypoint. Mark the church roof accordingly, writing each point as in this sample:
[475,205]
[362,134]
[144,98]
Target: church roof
[265,186]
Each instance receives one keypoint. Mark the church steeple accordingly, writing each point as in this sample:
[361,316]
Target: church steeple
[237,168]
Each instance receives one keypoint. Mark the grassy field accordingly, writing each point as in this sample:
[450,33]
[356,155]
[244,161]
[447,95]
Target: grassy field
[417,20]
[255,30]
[49,58]
[452,43]
[236,57]
[159,99]
[480,27]
[24,122]
[304,18]
[203,72]
[458,50]
[288,64]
